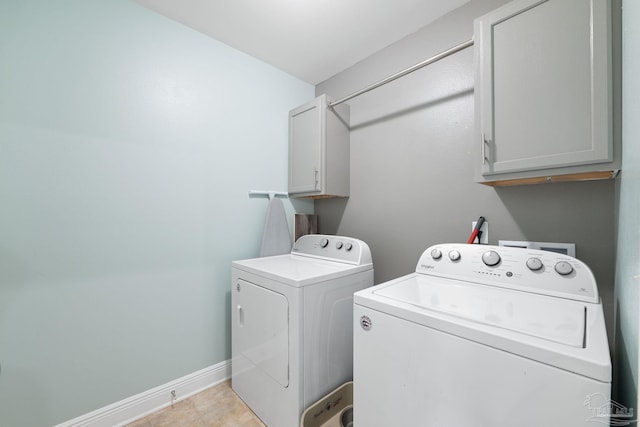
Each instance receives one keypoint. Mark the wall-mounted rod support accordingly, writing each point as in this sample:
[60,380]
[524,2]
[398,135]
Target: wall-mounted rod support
[271,194]
[404,72]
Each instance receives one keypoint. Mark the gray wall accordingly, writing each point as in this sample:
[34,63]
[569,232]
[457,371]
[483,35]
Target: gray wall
[125,164]
[412,171]
[628,247]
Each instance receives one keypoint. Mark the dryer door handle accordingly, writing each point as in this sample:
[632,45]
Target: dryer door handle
[240,312]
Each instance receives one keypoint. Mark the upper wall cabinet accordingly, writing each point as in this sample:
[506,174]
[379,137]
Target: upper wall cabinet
[319,150]
[543,91]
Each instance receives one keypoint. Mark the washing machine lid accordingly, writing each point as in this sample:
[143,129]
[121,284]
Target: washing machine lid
[298,270]
[553,319]
[564,333]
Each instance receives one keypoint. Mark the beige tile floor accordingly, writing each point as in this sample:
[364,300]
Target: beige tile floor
[217,406]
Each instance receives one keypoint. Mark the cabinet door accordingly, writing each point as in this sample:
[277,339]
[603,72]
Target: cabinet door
[543,83]
[306,133]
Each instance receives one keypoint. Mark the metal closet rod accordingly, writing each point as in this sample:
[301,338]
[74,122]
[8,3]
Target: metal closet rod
[404,72]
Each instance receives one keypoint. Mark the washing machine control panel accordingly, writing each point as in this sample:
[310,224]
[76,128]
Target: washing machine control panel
[523,269]
[334,248]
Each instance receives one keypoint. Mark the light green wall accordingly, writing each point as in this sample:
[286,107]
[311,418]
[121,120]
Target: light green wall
[128,144]
[628,247]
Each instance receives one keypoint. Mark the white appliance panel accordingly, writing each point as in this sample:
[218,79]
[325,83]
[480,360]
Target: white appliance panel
[311,292]
[296,270]
[328,344]
[266,397]
[563,320]
[482,336]
[409,374]
[512,270]
[262,334]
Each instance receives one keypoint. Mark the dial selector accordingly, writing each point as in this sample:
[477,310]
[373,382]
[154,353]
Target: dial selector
[324,242]
[563,268]
[491,258]
[534,264]
[436,253]
[348,247]
[454,255]
[339,244]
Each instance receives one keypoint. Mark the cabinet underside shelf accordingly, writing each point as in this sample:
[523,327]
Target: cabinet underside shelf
[584,176]
[316,197]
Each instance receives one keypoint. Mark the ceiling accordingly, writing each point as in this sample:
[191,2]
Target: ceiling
[309,39]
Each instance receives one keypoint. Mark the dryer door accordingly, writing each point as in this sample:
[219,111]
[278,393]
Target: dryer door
[261,330]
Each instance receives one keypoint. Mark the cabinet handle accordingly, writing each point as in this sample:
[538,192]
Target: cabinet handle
[315,178]
[484,153]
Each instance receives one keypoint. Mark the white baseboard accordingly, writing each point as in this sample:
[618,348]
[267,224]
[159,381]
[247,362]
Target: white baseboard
[147,402]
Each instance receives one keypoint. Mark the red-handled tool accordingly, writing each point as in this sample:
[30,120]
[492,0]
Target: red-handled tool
[476,231]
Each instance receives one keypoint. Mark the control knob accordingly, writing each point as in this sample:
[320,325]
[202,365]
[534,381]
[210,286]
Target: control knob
[454,255]
[339,244]
[563,268]
[348,247]
[491,258]
[324,242]
[436,253]
[534,264]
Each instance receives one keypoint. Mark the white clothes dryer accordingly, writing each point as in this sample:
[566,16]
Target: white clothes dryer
[292,324]
[483,336]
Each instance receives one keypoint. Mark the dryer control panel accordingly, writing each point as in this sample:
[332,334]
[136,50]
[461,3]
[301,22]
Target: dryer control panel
[333,248]
[529,270]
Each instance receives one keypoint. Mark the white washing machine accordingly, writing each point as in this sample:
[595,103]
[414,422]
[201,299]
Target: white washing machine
[482,336]
[292,328]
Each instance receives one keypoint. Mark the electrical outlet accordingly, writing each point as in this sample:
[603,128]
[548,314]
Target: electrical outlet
[484,237]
